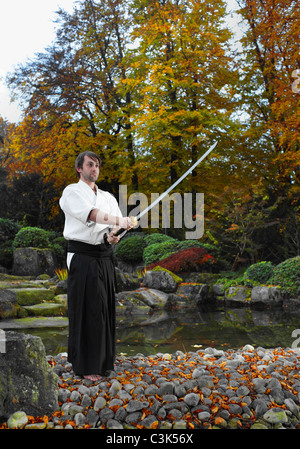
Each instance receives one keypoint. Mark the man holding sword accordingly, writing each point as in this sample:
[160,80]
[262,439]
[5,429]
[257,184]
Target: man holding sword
[89,214]
[91,218]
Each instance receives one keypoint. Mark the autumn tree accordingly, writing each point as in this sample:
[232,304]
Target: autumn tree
[247,227]
[271,46]
[183,78]
[70,91]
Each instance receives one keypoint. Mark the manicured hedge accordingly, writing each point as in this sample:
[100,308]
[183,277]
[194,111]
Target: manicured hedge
[190,259]
[260,272]
[287,275]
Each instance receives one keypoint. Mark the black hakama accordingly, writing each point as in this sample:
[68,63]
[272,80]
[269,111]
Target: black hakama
[91,309]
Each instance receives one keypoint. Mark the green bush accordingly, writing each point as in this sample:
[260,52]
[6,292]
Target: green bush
[189,244]
[159,251]
[157,238]
[32,237]
[287,275]
[234,279]
[58,244]
[131,248]
[260,272]
[6,254]
[8,229]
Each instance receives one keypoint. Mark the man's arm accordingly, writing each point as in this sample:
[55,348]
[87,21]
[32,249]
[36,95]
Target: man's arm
[98,216]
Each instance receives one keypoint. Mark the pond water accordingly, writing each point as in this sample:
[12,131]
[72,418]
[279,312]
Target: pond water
[225,328]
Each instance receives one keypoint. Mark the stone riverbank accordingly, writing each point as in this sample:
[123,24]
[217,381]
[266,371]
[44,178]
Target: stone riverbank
[249,388]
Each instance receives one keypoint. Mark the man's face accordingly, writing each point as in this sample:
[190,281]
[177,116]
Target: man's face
[90,170]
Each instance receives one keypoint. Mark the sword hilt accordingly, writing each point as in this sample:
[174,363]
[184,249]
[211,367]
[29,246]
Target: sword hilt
[121,230]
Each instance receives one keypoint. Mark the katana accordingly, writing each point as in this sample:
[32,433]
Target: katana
[157,200]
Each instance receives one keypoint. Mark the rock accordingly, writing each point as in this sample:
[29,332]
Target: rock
[31,296]
[80,419]
[180,425]
[275,416]
[192,399]
[135,406]
[204,416]
[170,391]
[194,294]
[259,425]
[33,262]
[238,295]
[100,403]
[218,289]
[259,385]
[26,379]
[125,281]
[260,407]
[46,309]
[61,287]
[292,406]
[160,280]
[8,304]
[175,301]
[266,295]
[113,424]
[17,420]
[142,297]
[115,388]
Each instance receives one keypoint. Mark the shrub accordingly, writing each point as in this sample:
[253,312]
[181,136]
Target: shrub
[31,237]
[58,245]
[234,279]
[189,244]
[6,254]
[260,272]
[8,229]
[287,275]
[131,248]
[157,238]
[158,251]
[190,259]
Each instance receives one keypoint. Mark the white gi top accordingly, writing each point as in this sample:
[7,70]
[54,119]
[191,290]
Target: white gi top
[77,201]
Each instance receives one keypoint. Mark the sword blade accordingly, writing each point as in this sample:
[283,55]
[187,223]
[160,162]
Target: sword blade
[157,200]
[145,211]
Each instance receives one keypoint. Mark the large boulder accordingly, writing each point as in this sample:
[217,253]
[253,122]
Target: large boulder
[33,262]
[142,300]
[266,296]
[27,382]
[190,296]
[160,280]
[125,281]
[239,295]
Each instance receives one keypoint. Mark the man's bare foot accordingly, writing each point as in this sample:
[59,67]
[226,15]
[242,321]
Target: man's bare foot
[93,377]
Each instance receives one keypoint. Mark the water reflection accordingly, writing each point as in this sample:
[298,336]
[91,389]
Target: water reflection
[188,331]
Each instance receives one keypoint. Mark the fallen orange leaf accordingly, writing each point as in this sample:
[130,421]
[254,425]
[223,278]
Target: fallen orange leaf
[219,420]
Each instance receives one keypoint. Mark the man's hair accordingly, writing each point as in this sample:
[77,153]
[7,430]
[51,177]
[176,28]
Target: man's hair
[80,159]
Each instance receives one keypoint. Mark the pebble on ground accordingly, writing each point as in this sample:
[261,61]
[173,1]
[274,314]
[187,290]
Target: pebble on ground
[250,388]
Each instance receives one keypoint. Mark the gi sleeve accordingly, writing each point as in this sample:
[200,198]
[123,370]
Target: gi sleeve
[75,204]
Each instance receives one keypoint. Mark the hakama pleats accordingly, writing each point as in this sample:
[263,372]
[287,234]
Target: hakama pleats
[91,312]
